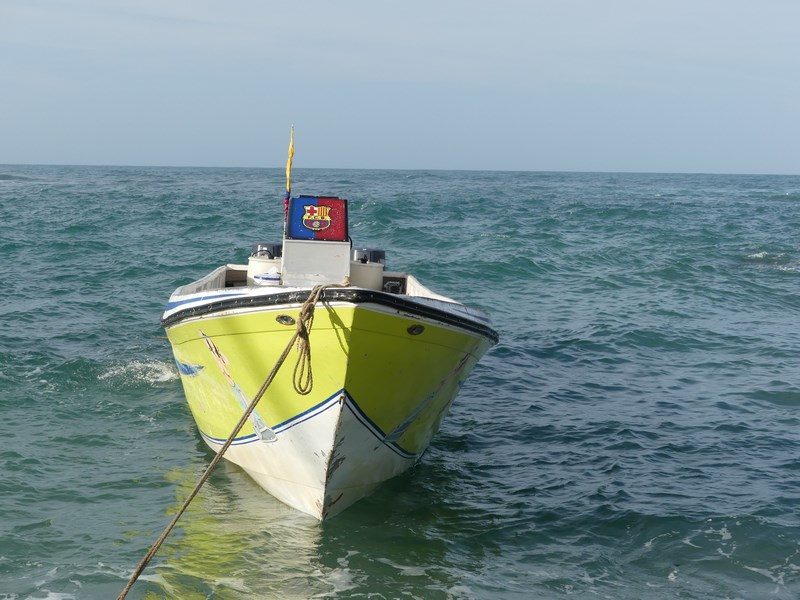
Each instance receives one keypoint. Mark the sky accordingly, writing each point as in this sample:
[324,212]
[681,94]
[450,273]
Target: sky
[686,86]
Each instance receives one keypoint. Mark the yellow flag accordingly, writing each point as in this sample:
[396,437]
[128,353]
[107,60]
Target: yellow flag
[289,164]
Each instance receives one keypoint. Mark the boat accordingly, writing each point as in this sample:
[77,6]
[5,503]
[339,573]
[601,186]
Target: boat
[384,359]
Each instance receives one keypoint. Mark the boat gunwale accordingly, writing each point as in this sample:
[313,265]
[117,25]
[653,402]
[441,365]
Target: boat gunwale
[350,295]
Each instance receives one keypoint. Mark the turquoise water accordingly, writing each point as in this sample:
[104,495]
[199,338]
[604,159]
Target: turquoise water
[635,434]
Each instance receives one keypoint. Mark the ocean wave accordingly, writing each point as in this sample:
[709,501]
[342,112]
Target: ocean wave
[785,262]
[141,371]
[793,268]
[764,256]
[9,177]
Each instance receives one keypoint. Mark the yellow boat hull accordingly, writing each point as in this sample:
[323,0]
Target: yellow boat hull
[383,380]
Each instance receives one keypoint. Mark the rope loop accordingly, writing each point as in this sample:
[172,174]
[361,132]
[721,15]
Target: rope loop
[303,377]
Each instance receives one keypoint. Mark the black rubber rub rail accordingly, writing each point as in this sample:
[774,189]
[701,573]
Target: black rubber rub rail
[354,296]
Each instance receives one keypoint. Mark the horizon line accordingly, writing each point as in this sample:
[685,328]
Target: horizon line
[399,169]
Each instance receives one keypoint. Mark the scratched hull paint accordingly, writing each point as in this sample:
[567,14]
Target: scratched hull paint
[379,395]
[341,463]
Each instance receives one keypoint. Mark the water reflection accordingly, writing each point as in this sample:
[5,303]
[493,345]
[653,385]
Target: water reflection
[236,541]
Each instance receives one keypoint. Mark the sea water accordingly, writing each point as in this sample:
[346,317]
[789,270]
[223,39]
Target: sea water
[635,433]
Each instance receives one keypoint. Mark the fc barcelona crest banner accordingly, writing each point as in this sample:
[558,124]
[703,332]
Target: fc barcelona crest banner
[317,218]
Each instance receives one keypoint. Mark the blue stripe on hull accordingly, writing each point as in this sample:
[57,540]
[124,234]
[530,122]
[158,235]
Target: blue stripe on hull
[318,409]
[362,417]
[177,303]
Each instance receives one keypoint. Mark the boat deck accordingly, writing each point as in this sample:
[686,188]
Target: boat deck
[235,276]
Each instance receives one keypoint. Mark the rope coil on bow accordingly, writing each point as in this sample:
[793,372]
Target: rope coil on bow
[303,378]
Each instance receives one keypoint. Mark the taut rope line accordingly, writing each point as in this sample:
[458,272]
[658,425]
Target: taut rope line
[303,384]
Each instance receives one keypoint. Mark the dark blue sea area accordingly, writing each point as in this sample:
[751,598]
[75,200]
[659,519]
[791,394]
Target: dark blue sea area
[635,434]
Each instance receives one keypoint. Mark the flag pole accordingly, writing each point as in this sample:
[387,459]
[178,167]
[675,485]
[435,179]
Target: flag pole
[288,179]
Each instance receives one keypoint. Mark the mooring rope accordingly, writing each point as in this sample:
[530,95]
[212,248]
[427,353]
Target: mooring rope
[303,382]
[303,378]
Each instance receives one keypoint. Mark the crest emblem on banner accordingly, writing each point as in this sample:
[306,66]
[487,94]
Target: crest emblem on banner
[317,218]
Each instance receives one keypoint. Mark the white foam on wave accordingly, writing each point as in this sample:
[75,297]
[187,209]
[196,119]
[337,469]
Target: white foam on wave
[776,578]
[765,256]
[795,268]
[48,595]
[649,543]
[141,371]
[777,261]
[342,580]
[460,591]
[407,570]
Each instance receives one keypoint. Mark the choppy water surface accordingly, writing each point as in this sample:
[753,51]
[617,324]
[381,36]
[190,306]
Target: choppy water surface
[634,435]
